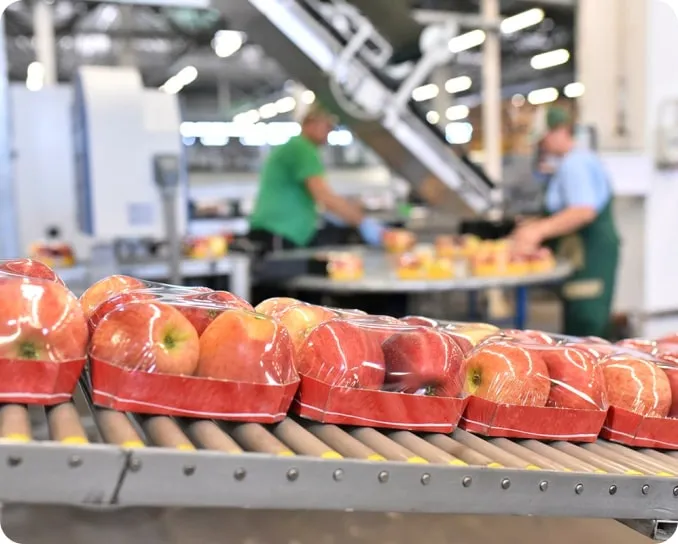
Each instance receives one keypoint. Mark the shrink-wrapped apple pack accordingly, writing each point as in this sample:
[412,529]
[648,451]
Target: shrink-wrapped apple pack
[380,371]
[43,335]
[523,385]
[189,352]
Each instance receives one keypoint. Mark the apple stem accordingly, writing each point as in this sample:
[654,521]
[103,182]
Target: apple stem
[27,351]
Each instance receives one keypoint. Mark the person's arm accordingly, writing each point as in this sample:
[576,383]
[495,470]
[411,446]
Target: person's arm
[343,208]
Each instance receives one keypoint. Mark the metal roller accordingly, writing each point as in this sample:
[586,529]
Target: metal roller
[642,466]
[659,468]
[65,426]
[302,441]
[15,423]
[254,437]
[344,443]
[529,455]
[164,431]
[209,436]
[425,449]
[116,428]
[488,449]
[592,458]
[385,446]
[573,463]
[459,450]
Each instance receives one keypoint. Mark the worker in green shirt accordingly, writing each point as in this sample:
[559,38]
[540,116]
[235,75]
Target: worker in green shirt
[293,188]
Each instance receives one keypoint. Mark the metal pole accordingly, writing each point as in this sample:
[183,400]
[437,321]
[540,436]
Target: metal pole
[492,135]
[169,204]
[45,40]
[9,235]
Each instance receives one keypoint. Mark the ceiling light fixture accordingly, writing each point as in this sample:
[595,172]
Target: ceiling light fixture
[521,21]
[550,59]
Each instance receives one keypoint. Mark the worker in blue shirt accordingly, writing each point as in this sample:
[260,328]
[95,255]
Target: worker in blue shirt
[578,223]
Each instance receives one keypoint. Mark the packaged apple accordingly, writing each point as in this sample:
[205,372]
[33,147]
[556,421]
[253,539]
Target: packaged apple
[376,371]
[43,335]
[189,354]
[525,389]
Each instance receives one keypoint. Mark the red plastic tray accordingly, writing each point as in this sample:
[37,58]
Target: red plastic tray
[187,396]
[542,423]
[38,382]
[321,402]
[635,430]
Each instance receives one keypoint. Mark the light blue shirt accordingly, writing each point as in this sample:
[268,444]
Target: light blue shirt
[580,180]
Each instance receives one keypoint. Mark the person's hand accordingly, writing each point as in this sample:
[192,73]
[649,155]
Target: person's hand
[372,231]
[527,238]
[334,220]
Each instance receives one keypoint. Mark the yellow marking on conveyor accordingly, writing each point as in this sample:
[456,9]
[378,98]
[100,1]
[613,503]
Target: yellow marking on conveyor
[376,457]
[17,437]
[133,444]
[633,473]
[186,447]
[666,474]
[568,470]
[331,454]
[532,467]
[75,440]
[417,460]
[457,463]
[495,465]
[285,453]
[599,471]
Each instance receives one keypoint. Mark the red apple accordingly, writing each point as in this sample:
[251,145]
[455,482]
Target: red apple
[147,336]
[420,321]
[203,307]
[529,336]
[463,342]
[41,322]
[507,373]
[577,380]
[243,346]
[669,364]
[423,358]
[30,269]
[301,319]
[104,289]
[273,305]
[475,333]
[380,327]
[348,314]
[637,385]
[117,301]
[639,344]
[341,353]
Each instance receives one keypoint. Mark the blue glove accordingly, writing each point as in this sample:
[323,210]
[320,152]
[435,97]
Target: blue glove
[334,220]
[372,231]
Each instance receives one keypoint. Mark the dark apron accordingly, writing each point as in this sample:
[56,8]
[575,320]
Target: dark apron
[588,293]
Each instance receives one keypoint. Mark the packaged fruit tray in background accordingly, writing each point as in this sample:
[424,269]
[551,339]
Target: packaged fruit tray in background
[642,387]
[43,335]
[186,352]
[528,387]
[380,372]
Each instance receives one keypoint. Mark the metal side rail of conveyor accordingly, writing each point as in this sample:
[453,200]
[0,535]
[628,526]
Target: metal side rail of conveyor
[344,72]
[81,455]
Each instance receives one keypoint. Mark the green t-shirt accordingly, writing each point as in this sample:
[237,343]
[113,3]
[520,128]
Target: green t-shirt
[284,205]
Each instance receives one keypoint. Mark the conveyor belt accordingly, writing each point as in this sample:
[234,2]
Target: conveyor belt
[133,460]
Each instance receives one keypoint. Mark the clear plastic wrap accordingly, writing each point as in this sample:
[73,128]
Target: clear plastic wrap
[29,268]
[374,370]
[149,355]
[525,389]
[43,337]
[272,305]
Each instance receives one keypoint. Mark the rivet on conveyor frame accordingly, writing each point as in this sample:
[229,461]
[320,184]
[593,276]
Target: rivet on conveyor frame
[338,475]
[189,470]
[579,489]
[543,485]
[613,490]
[135,464]
[675,491]
[645,489]
[505,484]
[425,479]
[383,477]
[75,461]
[14,461]
[239,474]
[292,474]
[467,481]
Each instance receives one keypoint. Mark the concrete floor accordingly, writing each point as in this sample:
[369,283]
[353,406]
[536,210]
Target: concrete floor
[50,525]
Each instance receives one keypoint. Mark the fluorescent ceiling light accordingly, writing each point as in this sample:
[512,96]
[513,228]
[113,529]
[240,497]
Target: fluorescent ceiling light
[433,117]
[185,76]
[575,90]
[457,113]
[459,133]
[227,42]
[467,41]
[458,84]
[550,59]
[247,117]
[522,20]
[285,104]
[425,92]
[308,97]
[518,100]
[543,96]
[35,76]
[268,110]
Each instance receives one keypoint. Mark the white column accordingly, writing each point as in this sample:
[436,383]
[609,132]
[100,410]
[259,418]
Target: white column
[492,93]
[45,40]
[9,237]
